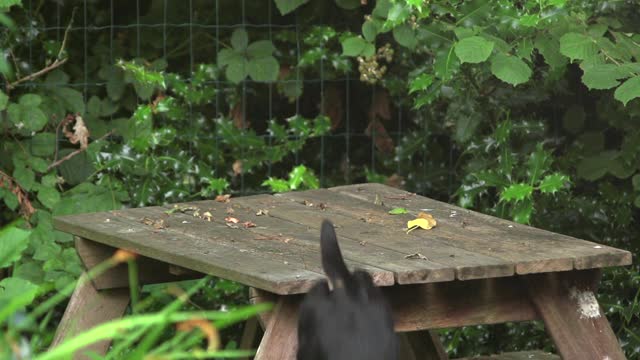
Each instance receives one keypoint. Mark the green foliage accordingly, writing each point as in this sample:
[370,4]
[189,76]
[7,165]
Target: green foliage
[255,59]
[300,178]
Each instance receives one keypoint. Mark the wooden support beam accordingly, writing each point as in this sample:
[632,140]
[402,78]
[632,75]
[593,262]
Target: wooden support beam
[459,303]
[88,308]
[150,271]
[280,341]
[571,313]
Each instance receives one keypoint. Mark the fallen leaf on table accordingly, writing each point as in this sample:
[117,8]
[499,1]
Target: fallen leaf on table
[207,216]
[262,212]
[157,224]
[223,198]
[182,209]
[230,210]
[377,200]
[248,224]
[423,221]
[398,211]
[416,256]
[231,219]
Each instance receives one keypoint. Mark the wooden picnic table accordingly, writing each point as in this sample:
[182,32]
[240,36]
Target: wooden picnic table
[470,269]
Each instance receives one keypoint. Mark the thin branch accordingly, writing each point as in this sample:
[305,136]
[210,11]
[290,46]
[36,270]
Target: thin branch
[74,153]
[56,64]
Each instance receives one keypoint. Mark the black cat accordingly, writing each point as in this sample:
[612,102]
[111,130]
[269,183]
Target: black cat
[350,321]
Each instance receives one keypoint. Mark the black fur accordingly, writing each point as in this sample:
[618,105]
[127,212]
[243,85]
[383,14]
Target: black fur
[350,322]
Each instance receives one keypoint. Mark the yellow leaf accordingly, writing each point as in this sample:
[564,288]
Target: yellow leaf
[427,222]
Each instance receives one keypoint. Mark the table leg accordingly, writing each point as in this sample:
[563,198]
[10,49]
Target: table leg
[421,345]
[572,316]
[87,308]
[280,340]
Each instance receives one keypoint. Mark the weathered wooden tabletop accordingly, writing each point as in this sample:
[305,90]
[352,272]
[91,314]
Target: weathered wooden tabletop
[281,253]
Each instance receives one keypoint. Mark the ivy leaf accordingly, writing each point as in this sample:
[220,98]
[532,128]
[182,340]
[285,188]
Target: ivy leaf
[262,48]
[577,46]
[420,83]
[4,100]
[529,20]
[13,241]
[72,99]
[474,49]
[287,6]
[405,36]
[30,100]
[227,56]
[516,192]
[628,91]
[510,69]
[238,70]
[552,183]
[549,47]
[264,69]
[601,77]
[594,167]
[354,46]
[370,30]
[636,182]
[15,294]
[43,144]
[239,39]
[26,178]
[398,211]
[48,196]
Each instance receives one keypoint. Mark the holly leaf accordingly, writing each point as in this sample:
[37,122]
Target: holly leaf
[553,183]
[510,69]
[398,211]
[516,192]
[474,49]
[628,91]
[276,185]
[420,83]
[522,211]
[539,162]
[13,241]
[577,46]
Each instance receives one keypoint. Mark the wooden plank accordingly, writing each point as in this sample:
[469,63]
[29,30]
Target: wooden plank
[150,271]
[210,256]
[539,250]
[276,241]
[522,355]
[88,308]
[572,316]
[457,304]
[280,341]
[354,250]
[360,220]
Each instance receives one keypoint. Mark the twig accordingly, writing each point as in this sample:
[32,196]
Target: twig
[56,64]
[64,122]
[402,197]
[74,153]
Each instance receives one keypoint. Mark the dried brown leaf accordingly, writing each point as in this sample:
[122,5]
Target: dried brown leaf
[248,224]
[223,198]
[231,219]
[332,105]
[236,114]
[237,167]
[80,133]
[207,328]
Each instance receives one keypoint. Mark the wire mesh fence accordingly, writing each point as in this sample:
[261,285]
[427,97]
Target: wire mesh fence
[366,122]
